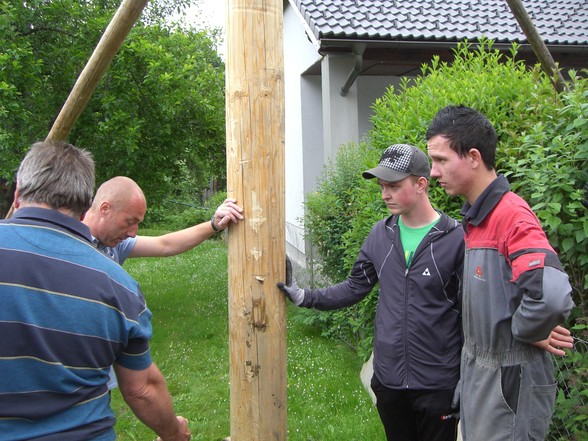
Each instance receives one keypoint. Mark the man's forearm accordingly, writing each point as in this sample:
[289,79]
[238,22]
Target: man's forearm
[184,240]
[150,401]
[171,244]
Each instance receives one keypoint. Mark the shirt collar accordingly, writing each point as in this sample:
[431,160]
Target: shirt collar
[39,215]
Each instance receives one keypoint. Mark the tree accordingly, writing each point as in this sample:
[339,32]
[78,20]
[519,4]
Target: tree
[157,115]
[159,112]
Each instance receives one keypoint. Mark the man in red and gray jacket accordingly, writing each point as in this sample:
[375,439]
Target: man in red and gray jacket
[515,293]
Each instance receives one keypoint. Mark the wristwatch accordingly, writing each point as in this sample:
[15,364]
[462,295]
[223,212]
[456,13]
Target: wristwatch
[214,227]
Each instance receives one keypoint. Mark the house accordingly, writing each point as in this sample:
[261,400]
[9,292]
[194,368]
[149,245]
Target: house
[341,55]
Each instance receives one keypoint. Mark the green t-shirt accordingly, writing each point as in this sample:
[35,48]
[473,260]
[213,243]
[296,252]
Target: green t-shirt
[412,237]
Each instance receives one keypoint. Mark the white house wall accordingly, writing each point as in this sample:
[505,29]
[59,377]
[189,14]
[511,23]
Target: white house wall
[340,117]
[370,88]
[318,119]
[299,55]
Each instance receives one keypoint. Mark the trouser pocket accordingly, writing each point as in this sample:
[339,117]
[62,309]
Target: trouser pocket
[542,403]
[510,380]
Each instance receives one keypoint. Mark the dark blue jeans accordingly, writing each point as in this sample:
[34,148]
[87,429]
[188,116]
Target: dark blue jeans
[416,415]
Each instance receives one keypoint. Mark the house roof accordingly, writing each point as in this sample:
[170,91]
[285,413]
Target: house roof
[559,22]
[396,36]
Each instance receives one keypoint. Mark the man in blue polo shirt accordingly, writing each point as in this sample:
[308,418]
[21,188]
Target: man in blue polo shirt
[69,313]
[119,207]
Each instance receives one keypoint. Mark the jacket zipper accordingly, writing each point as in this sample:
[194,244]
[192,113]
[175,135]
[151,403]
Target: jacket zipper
[406,279]
[407,361]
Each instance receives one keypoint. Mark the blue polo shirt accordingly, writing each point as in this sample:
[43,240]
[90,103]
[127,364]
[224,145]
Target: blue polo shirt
[119,253]
[67,314]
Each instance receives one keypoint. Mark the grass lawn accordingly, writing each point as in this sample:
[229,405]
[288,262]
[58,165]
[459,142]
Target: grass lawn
[188,297]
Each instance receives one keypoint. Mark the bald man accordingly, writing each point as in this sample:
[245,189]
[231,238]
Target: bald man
[119,207]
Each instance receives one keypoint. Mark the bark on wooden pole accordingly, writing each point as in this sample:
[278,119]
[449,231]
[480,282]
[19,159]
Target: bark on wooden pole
[256,248]
[108,46]
[537,44]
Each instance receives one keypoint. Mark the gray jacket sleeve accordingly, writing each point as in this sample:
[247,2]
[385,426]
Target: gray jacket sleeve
[355,288]
[546,296]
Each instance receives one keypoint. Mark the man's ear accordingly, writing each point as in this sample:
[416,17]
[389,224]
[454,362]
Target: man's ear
[105,208]
[423,183]
[16,202]
[475,158]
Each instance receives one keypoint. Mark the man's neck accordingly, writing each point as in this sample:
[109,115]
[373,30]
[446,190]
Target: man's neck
[483,181]
[62,210]
[420,216]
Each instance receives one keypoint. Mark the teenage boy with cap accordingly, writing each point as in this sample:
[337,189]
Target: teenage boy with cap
[416,255]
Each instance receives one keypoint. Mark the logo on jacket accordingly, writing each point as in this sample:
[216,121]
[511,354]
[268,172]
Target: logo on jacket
[479,274]
[448,417]
[427,272]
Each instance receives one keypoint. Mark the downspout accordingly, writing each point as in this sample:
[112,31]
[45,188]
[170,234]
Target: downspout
[358,50]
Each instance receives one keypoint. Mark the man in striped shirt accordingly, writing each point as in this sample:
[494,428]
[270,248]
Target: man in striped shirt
[68,313]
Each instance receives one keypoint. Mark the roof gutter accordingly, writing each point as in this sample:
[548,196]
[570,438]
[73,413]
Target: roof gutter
[330,43]
[358,50]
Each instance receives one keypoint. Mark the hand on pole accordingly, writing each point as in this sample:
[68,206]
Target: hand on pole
[226,213]
[290,288]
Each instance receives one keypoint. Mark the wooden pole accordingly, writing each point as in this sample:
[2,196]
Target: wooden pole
[108,46]
[256,247]
[537,44]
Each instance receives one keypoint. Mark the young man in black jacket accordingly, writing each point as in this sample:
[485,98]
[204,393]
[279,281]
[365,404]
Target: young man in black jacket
[416,255]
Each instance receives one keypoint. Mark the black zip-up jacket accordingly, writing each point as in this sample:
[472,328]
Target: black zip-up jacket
[417,338]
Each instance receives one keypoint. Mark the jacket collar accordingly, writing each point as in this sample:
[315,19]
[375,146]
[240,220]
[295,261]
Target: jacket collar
[475,214]
[444,226]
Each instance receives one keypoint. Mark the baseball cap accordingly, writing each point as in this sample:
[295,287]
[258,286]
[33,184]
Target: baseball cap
[399,161]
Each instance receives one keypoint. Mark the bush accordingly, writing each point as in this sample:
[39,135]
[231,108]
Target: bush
[550,170]
[543,150]
[570,421]
[333,205]
[175,215]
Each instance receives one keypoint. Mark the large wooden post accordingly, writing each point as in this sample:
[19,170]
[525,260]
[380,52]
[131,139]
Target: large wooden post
[255,177]
[537,44]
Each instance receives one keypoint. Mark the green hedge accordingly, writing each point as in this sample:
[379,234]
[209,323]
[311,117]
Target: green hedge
[183,212]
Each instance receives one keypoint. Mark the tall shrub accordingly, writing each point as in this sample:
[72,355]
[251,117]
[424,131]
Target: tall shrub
[550,170]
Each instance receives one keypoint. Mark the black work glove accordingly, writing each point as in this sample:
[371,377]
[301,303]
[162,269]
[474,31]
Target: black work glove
[290,288]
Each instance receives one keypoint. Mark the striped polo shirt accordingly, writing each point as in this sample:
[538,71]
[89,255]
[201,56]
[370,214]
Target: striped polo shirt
[67,313]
